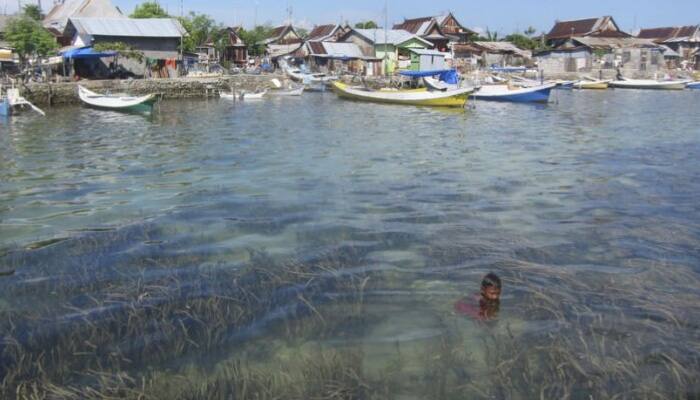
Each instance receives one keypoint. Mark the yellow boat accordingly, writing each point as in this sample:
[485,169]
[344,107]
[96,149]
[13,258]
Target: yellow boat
[451,98]
[593,85]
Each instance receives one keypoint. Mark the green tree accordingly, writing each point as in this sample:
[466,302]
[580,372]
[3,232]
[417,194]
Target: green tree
[149,9]
[29,38]
[254,38]
[522,41]
[366,25]
[530,31]
[32,11]
[304,33]
[200,28]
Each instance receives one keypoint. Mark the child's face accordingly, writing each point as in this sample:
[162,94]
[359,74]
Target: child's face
[491,293]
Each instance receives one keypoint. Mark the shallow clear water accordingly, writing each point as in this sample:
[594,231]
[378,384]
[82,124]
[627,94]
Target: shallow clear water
[587,208]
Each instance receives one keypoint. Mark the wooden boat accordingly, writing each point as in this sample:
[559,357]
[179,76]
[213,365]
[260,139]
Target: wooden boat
[536,94]
[592,84]
[452,98]
[649,84]
[115,102]
[694,85]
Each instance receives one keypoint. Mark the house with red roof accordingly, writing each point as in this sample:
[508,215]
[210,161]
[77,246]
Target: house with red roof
[683,40]
[604,27]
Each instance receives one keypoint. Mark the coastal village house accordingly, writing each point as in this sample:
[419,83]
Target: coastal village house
[284,41]
[326,54]
[598,47]
[57,18]
[502,54]
[683,41]
[235,49]
[393,46]
[603,56]
[442,30]
[339,57]
[158,39]
[590,27]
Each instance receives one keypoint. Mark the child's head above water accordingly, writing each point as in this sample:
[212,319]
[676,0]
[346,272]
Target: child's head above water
[491,287]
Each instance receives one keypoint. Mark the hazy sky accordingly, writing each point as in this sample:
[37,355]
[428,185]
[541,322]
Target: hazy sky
[505,16]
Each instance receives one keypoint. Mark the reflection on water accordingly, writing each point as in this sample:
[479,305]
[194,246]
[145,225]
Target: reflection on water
[314,248]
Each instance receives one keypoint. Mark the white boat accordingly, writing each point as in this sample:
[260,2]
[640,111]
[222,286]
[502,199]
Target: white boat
[537,94]
[592,84]
[229,96]
[288,92]
[13,100]
[253,96]
[649,84]
[450,98]
[117,102]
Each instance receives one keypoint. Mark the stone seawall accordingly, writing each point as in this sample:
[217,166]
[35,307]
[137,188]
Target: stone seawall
[44,94]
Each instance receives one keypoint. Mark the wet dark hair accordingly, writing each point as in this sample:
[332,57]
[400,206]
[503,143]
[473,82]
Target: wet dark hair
[491,280]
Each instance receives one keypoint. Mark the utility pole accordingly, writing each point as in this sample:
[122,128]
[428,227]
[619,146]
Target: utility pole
[386,36]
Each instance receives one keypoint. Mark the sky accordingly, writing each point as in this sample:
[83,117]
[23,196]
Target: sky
[503,16]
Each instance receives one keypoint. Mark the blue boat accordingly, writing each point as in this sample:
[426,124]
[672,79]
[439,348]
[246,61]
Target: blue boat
[693,85]
[535,94]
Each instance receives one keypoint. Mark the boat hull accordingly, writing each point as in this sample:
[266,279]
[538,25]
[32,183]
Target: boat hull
[528,95]
[694,85]
[649,85]
[592,85]
[123,103]
[456,98]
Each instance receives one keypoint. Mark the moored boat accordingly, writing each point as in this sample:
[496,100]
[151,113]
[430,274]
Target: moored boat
[288,92]
[592,85]
[694,85]
[649,84]
[451,98]
[254,96]
[536,94]
[116,102]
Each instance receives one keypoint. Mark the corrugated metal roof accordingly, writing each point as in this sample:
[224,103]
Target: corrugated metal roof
[58,17]
[390,36]
[615,43]
[322,32]
[428,52]
[340,50]
[129,27]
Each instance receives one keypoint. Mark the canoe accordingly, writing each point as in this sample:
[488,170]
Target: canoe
[649,84]
[592,85]
[115,102]
[537,94]
[452,98]
[694,85]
